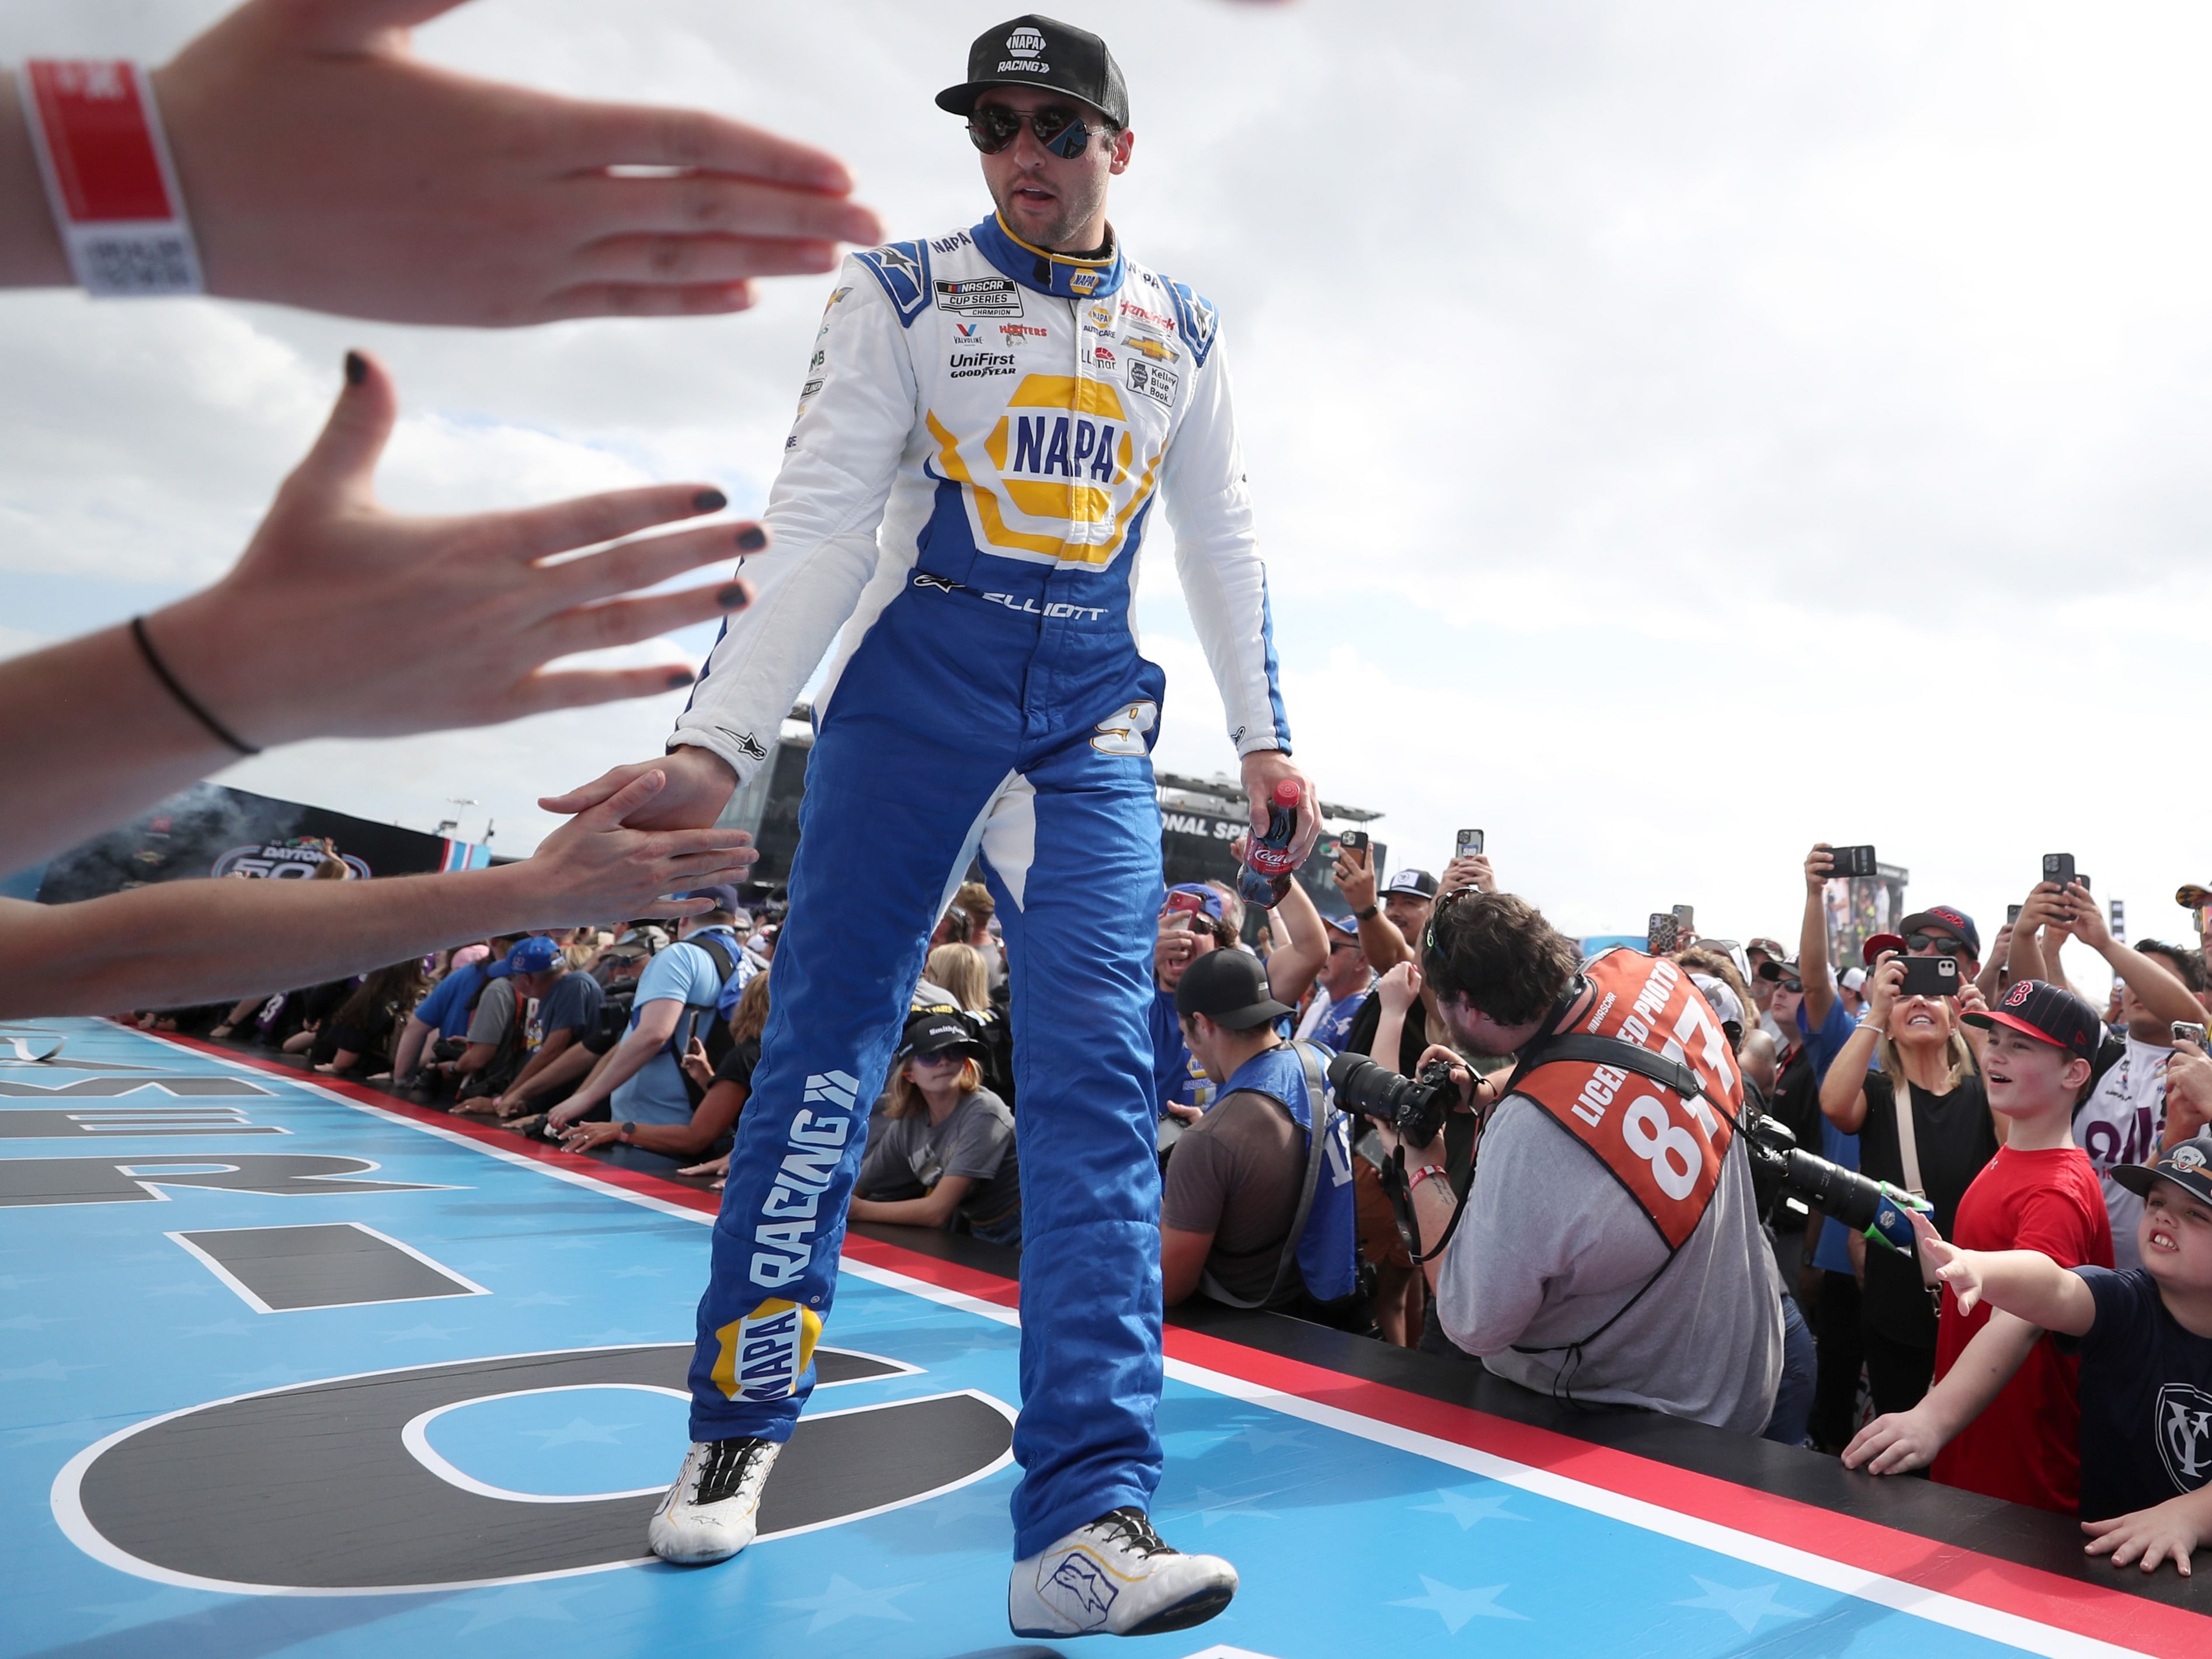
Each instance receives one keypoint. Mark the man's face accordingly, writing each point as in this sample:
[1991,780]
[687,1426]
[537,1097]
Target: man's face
[1473,1032]
[1179,922]
[2175,1239]
[534,984]
[1762,991]
[1787,997]
[2026,1074]
[2143,1025]
[1047,202]
[1345,970]
[1408,914]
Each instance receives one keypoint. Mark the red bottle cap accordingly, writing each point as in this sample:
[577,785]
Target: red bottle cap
[1287,793]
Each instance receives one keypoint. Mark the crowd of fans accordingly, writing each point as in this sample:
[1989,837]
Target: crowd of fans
[2037,1131]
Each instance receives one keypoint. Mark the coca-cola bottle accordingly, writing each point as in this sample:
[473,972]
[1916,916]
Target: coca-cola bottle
[1266,875]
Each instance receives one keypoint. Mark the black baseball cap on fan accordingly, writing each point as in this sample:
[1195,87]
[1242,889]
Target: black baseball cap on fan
[1230,987]
[2049,1013]
[1041,52]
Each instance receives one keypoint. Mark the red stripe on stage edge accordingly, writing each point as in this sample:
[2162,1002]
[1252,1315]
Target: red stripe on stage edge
[100,142]
[2067,1604]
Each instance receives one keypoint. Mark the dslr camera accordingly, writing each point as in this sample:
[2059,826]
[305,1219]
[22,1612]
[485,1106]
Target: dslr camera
[1874,1208]
[1414,1106]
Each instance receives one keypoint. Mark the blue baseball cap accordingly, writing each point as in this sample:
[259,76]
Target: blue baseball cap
[1344,924]
[1208,900]
[534,956]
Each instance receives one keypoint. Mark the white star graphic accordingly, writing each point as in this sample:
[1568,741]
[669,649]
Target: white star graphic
[541,1299]
[639,1273]
[846,1600]
[1215,1507]
[1746,1607]
[577,1431]
[225,1328]
[124,1615]
[269,1375]
[1468,1510]
[47,1371]
[423,1334]
[1456,1607]
[539,1602]
[1259,1439]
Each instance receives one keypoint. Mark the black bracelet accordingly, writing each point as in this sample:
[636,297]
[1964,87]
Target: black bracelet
[191,706]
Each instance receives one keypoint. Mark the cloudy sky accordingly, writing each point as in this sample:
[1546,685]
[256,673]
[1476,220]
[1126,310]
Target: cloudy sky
[1680,433]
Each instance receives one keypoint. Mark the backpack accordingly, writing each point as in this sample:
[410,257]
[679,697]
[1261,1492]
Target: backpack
[722,949]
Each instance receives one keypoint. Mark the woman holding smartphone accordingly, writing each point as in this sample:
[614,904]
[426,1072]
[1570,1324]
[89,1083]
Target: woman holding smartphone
[1923,1117]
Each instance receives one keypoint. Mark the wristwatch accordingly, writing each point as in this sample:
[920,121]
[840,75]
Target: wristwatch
[1368,915]
[626,1132]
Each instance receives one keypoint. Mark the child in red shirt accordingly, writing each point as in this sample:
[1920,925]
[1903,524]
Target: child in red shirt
[2003,1418]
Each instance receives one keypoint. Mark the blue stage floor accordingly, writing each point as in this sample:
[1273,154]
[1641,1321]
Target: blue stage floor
[456,1458]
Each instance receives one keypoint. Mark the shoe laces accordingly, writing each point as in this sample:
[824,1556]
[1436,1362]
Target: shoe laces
[1134,1529]
[727,1464]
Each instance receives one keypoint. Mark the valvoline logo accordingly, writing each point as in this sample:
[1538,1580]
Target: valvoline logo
[966,331]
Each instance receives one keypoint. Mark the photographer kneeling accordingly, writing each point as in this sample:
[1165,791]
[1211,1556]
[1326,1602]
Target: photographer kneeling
[1257,1211]
[1608,1249]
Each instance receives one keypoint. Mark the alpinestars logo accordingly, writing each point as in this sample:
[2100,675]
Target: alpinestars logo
[2185,1435]
[747,743]
[790,1215]
[1085,1594]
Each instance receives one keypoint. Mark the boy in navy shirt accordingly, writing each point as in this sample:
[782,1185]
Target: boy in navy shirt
[2145,1340]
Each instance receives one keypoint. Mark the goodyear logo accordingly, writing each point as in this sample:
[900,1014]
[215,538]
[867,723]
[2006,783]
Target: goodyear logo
[765,1354]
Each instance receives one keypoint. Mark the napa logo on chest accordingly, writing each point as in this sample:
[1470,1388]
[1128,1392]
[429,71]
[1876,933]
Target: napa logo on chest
[767,1352]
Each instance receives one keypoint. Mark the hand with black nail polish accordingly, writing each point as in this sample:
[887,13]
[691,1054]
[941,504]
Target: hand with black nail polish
[343,619]
[346,619]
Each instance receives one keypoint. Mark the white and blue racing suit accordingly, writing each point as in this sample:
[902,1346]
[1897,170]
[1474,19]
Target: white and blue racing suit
[980,440]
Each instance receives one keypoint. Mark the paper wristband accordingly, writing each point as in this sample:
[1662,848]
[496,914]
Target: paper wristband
[109,177]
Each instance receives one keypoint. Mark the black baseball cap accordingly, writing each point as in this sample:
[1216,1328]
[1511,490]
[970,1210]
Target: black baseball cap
[1776,969]
[1230,987]
[1947,919]
[936,1028]
[1419,883]
[2047,1013]
[2188,1166]
[1031,50]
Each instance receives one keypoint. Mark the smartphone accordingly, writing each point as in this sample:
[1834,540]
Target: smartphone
[1851,861]
[1469,843]
[1930,976]
[1187,902]
[2011,913]
[2186,1032]
[2058,867]
[1660,933]
[1685,919]
[2119,923]
[1354,840]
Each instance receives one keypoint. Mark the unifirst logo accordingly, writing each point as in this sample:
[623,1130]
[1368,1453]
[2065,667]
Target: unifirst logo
[816,1147]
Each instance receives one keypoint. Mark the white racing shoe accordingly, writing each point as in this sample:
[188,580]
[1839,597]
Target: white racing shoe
[1114,1578]
[713,1509]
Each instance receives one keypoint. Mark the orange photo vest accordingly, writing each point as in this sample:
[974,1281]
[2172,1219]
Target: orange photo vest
[1666,1152]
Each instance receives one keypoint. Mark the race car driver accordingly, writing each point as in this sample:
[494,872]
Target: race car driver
[987,422]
